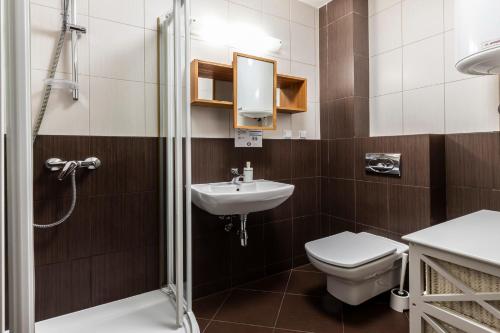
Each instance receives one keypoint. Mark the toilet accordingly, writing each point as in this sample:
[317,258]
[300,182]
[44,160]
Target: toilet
[358,266]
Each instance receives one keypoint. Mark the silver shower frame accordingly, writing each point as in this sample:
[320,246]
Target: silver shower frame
[175,124]
[16,107]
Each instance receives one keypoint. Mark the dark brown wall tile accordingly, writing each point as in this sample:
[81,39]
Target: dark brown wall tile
[304,200]
[409,209]
[322,16]
[305,229]
[343,118]
[304,155]
[221,156]
[336,9]
[339,225]
[248,263]
[282,212]
[342,155]
[360,7]
[415,159]
[361,76]
[371,204]
[278,240]
[211,258]
[360,38]
[341,198]
[118,275]
[361,117]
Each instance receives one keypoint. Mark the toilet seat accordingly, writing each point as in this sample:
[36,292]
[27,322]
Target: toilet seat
[350,250]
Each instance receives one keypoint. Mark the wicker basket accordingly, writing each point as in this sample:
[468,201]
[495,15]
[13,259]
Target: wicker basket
[478,281]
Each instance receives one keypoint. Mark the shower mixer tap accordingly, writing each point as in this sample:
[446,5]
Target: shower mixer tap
[67,167]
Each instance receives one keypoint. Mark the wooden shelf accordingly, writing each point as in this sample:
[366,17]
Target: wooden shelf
[212,103]
[292,96]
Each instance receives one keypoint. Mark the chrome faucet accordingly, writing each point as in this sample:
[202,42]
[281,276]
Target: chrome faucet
[66,168]
[237,177]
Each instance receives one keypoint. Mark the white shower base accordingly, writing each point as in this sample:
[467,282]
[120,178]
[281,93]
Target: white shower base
[152,312]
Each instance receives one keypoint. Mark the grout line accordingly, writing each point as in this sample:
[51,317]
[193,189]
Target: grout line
[219,308]
[283,298]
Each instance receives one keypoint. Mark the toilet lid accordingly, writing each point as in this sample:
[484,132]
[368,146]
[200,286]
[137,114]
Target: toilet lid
[351,250]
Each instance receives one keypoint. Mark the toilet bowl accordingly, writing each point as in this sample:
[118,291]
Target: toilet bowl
[358,266]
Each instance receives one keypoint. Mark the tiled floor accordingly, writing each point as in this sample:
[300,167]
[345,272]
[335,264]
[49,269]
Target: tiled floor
[293,301]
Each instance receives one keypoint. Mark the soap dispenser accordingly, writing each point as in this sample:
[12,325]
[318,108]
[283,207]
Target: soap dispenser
[248,173]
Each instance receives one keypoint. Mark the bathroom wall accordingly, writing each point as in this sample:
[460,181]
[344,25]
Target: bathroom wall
[296,25]
[414,86]
[472,173]
[351,199]
[276,238]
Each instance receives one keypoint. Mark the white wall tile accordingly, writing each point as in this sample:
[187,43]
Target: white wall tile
[421,19]
[471,105]
[151,109]
[375,6]
[207,51]
[116,50]
[423,110]
[451,73]
[239,14]
[45,30]
[386,115]
[151,56]
[117,107]
[385,30]
[449,8]
[63,115]
[128,11]
[309,72]
[210,122]
[423,63]
[305,121]
[155,8]
[303,45]
[82,5]
[302,13]
[279,8]
[254,4]
[283,122]
[278,28]
[214,10]
[386,73]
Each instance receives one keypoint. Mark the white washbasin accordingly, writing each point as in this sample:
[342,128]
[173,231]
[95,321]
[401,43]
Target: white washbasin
[244,198]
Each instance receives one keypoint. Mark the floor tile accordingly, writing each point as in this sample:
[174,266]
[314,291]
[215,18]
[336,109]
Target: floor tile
[372,317]
[275,283]
[307,283]
[224,327]
[251,307]
[202,323]
[206,307]
[306,268]
[311,314]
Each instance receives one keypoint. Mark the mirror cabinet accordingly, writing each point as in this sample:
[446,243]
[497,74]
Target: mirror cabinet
[250,87]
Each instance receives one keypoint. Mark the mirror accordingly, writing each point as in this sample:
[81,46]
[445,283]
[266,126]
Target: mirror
[254,92]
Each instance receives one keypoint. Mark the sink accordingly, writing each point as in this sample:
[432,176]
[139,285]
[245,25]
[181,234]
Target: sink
[242,198]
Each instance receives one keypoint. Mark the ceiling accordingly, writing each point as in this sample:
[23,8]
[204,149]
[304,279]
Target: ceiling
[315,3]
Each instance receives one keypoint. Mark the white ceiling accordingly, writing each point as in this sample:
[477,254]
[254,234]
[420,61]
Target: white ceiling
[316,3]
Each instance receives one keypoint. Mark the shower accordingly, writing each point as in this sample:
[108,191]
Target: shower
[68,168]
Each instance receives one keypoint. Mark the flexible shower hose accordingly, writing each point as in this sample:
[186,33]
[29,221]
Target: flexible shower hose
[41,114]
[70,211]
[52,73]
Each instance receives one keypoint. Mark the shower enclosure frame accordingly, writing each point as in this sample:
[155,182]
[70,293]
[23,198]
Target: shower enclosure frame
[175,129]
[17,153]
[16,107]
